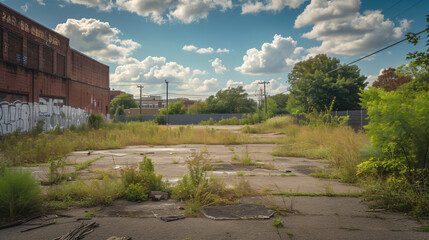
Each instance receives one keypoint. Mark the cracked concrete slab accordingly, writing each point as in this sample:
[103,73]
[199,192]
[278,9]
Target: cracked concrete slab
[237,212]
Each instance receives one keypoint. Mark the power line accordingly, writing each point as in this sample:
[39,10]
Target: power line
[407,8]
[391,45]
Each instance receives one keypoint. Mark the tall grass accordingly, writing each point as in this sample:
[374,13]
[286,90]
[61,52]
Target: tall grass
[340,146]
[28,148]
[20,195]
[275,124]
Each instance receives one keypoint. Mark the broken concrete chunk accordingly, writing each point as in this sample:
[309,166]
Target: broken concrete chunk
[158,195]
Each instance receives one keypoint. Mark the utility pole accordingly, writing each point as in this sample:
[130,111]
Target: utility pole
[140,86]
[265,95]
[166,82]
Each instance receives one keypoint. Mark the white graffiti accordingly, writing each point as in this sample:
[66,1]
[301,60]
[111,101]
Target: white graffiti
[53,112]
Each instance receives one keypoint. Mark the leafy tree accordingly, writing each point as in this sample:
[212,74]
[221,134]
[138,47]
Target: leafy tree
[389,81]
[399,125]
[314,88]
[272,108]
[125,101]
[412,70]
[232,100]
[174,108]
[421,58]
[281,102]
[293,106]
[198,108]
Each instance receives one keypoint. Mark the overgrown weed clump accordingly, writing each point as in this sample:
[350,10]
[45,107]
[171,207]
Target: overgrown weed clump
[20,195]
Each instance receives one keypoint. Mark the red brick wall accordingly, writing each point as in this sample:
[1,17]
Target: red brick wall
[85,83]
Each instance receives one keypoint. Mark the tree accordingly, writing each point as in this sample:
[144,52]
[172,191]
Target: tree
[198,108]
[399,125]
[125,101]
[421,58]
[389,81]
[281,102]
[314,88]
[232,100]
[174,108]
[412,70]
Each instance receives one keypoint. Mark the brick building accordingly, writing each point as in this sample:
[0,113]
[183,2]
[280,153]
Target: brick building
[42,78]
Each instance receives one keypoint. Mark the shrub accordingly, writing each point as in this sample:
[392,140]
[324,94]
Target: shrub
[96,121]
[144,180]
[20,195]
[136,192]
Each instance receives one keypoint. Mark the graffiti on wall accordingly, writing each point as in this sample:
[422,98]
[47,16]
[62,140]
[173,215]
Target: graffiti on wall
[53,112]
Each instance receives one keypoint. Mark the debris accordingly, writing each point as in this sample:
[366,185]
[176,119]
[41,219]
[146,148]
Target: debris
[120,238]
[158,195]
[172,218]
[79,232]
[19,222]
[40,226]
[83,218]
[287,171]
[376,210]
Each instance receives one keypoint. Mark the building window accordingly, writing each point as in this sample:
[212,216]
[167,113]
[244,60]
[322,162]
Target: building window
[1,43]
[32,55]
[61,65]
[15,49]
[48,57]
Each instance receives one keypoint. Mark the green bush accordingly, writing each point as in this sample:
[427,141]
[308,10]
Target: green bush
[96,121]
[143,180]
[20,195]
[136,192]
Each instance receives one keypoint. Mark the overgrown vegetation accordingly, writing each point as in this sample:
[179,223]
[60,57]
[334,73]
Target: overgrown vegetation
[20,195]
[138,184]
[21,148]
[247,119]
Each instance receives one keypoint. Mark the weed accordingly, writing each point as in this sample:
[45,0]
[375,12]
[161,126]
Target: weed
[278,223]
[290,235]
[231,149]
[85,164]
[204,150]
[235,157]
[174,161]
[86,194]
[242,188]
[422,229]
[136,192]
[266,189]
[20,195]
[241,173]
[356,194]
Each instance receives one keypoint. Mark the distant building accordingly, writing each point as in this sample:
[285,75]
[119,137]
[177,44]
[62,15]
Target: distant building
[115,93]
[42,78]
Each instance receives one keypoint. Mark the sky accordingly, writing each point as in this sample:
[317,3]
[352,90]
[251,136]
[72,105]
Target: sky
[203,46]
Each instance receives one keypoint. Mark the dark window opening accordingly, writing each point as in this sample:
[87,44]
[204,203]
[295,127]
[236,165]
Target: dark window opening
[61,65]
[32,55]
[15,49]
[48,57]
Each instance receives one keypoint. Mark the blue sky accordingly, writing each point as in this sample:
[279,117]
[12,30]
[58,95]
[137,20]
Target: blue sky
[202,46]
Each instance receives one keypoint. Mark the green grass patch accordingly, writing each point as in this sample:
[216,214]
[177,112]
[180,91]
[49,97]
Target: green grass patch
[86,164]
[289,194]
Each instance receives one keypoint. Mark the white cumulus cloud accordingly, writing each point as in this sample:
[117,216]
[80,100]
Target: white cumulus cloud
[276,57]
[41,2]
[152,71]
[218,67]
[24,7]
[97,39]
[207,50]
[184,11]
[103,5]
[269,5]
[343,30]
